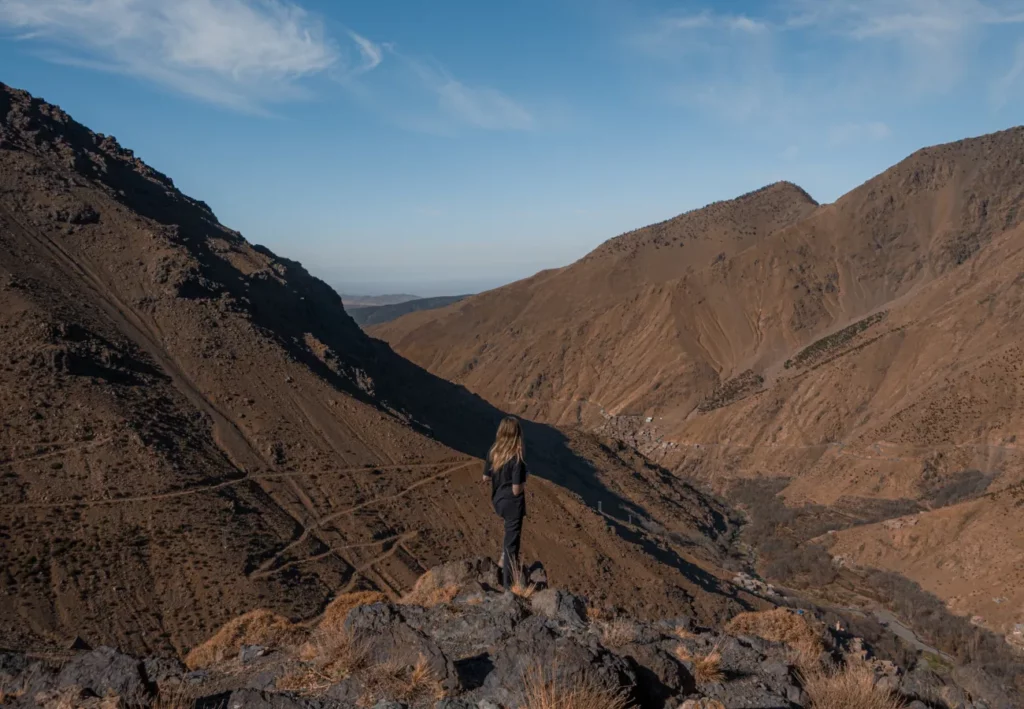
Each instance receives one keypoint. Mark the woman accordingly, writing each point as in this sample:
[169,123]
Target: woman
[506,470]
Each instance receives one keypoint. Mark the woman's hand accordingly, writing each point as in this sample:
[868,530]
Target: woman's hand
[517,490]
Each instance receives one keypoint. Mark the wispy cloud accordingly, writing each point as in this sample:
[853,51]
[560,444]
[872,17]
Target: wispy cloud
[858,132]
[248,55]
[932,34]
[1011,83]
[706,19]
[480,107]
[372,53]
[238,53]
[855,55]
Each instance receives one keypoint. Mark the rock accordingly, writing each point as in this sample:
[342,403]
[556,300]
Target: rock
[660,676]
[390,638]
[471,628]
[482,571]
[76,643]
[106,671]
[917,704]
[196,676]
[387,704]
[560,605]
[537,576]
[253,699]
[455,704]
[535,645]
[248,653]
[702,703]
[159,670]
[487,704]
[796,695]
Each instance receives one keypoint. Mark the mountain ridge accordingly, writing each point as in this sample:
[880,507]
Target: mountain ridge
[861,352]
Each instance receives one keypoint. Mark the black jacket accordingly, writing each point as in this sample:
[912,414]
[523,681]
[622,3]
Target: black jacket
[511,473]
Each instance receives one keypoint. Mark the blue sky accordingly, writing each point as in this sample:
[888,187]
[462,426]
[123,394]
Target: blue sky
[449,146]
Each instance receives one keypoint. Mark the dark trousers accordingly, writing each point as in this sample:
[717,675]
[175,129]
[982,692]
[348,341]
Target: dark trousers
[512,510]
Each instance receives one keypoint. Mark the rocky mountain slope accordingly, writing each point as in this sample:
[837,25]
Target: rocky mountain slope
[863,356]
[192,427]
[454,643]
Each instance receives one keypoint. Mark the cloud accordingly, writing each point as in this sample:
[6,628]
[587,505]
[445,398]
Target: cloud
[243,54]
[1008,85]
[476,106]
[372,53]
[707,19]
[933,35]
[846,133]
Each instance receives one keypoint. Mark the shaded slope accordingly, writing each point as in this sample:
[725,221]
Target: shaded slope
[193,427]
[866,352]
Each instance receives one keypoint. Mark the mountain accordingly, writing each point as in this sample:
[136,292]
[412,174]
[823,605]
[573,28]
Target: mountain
[369,301]
[194,428]
[379,314]
[859,361]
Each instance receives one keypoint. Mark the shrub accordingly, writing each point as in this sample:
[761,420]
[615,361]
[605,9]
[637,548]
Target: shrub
[333,619]
[258,627]
[430,591]
[618,632]
[850,687]
[544,691]
[705,669]
[332,658]
[390,680]
[782,626]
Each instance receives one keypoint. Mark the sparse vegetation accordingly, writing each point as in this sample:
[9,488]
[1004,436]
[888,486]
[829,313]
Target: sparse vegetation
[520,585]
[618,632]
[430,591]
[390,680]
[820,348]
[333,620]
[732,390]
[706,668]
[782,626]
[851,686]
[330,660]
[543,690]
[258,627]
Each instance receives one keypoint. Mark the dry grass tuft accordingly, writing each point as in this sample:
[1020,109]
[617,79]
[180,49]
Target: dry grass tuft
[429,591]
[390,680]
[706,668]
[543,691]
[258,627]
[330,631]
[331,659]
[174,698]
[337,611]
[520,586]
[782,626]
[682,633]
[597,613]
[618,632]
[849,687]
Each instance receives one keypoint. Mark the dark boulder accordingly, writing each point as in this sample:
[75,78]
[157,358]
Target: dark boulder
[660,676]
[537,647]
[106,671]
[561,606]
[389,637]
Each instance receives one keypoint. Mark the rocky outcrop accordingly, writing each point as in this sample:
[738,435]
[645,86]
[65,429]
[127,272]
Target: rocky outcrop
[479,648]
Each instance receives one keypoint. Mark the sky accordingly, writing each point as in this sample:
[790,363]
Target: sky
[451,146]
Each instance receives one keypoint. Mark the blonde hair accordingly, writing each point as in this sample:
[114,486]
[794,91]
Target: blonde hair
[508,444]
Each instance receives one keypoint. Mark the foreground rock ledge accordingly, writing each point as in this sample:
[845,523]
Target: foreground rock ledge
[457,641]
